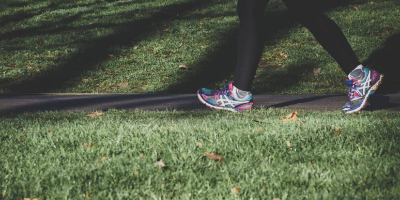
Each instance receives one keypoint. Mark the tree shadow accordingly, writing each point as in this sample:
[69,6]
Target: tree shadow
[386,60]
[216,65]
[65,74]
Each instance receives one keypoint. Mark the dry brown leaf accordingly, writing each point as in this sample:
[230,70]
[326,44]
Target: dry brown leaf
[276,199]
[180,45]
[102,159]
[95,114]
[203,47]
[89,144]
[317,70]
[165,30]
[49,130]
[212,156]
[51,56]
[355,7]
[123,84]
[290,117]
[260,129]
[160,163]
[288,143]
[155,53]
[142,155]
[110,55]
[385,120]
[235,190]
[337,132]
[183,67]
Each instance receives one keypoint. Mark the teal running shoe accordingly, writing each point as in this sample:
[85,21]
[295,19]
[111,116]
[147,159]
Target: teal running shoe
[360,90]
[223,99]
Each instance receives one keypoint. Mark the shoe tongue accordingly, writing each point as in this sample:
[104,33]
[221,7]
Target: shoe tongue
[351,77]
[231,86]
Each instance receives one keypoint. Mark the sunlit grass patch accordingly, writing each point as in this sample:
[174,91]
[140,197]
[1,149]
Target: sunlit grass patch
[323,155]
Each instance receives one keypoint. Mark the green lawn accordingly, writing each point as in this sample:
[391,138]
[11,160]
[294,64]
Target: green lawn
[322,155]
[94,45]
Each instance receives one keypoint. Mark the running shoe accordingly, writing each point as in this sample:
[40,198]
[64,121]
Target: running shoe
[223,99]
[359,91]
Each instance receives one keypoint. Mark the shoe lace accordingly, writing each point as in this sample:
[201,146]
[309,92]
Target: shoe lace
[225,90]
[352,88]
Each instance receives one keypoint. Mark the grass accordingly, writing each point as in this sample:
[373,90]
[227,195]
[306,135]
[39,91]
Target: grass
[94,45]
[66,155]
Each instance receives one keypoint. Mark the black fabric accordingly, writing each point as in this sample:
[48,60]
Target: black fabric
[251,40]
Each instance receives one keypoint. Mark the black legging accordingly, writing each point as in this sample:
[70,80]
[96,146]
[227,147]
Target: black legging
[251,39]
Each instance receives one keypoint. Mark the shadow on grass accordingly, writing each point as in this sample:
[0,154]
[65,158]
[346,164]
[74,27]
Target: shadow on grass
[215,66]
[386,60]
[97,51]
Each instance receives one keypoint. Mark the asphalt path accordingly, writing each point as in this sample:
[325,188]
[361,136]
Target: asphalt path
[19,103]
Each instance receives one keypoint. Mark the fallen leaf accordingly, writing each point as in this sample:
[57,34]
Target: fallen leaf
[180,45]
[89,144]
[203,47]
[290,117]
[183,67]
[337,132]
[51,56]
[110,55]
[317,70]
[283,55]
[170,54]
[212,156]
[288,143]
[49,130]
[260,129]
[160,163]
[385,120]
[312,164]
[276,199]
[95,114]
[165,30]
[123,84]
[102,159]
[155,53]
[235,190]
[355,7]
[142,155]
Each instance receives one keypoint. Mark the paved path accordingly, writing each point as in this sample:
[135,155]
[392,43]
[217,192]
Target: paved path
[73,102]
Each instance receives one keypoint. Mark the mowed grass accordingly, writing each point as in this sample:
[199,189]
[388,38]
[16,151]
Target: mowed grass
[94,45]
[322,155]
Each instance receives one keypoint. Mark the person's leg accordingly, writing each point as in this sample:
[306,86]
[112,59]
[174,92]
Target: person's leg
[326,31]
[236,95]
[250,41]
[362,81]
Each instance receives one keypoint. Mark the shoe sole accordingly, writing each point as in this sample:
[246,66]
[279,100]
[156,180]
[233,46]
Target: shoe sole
[372,89]
[214,107]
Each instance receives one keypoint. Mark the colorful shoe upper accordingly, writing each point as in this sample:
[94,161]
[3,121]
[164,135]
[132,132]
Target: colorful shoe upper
[359,91]
[223,99]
